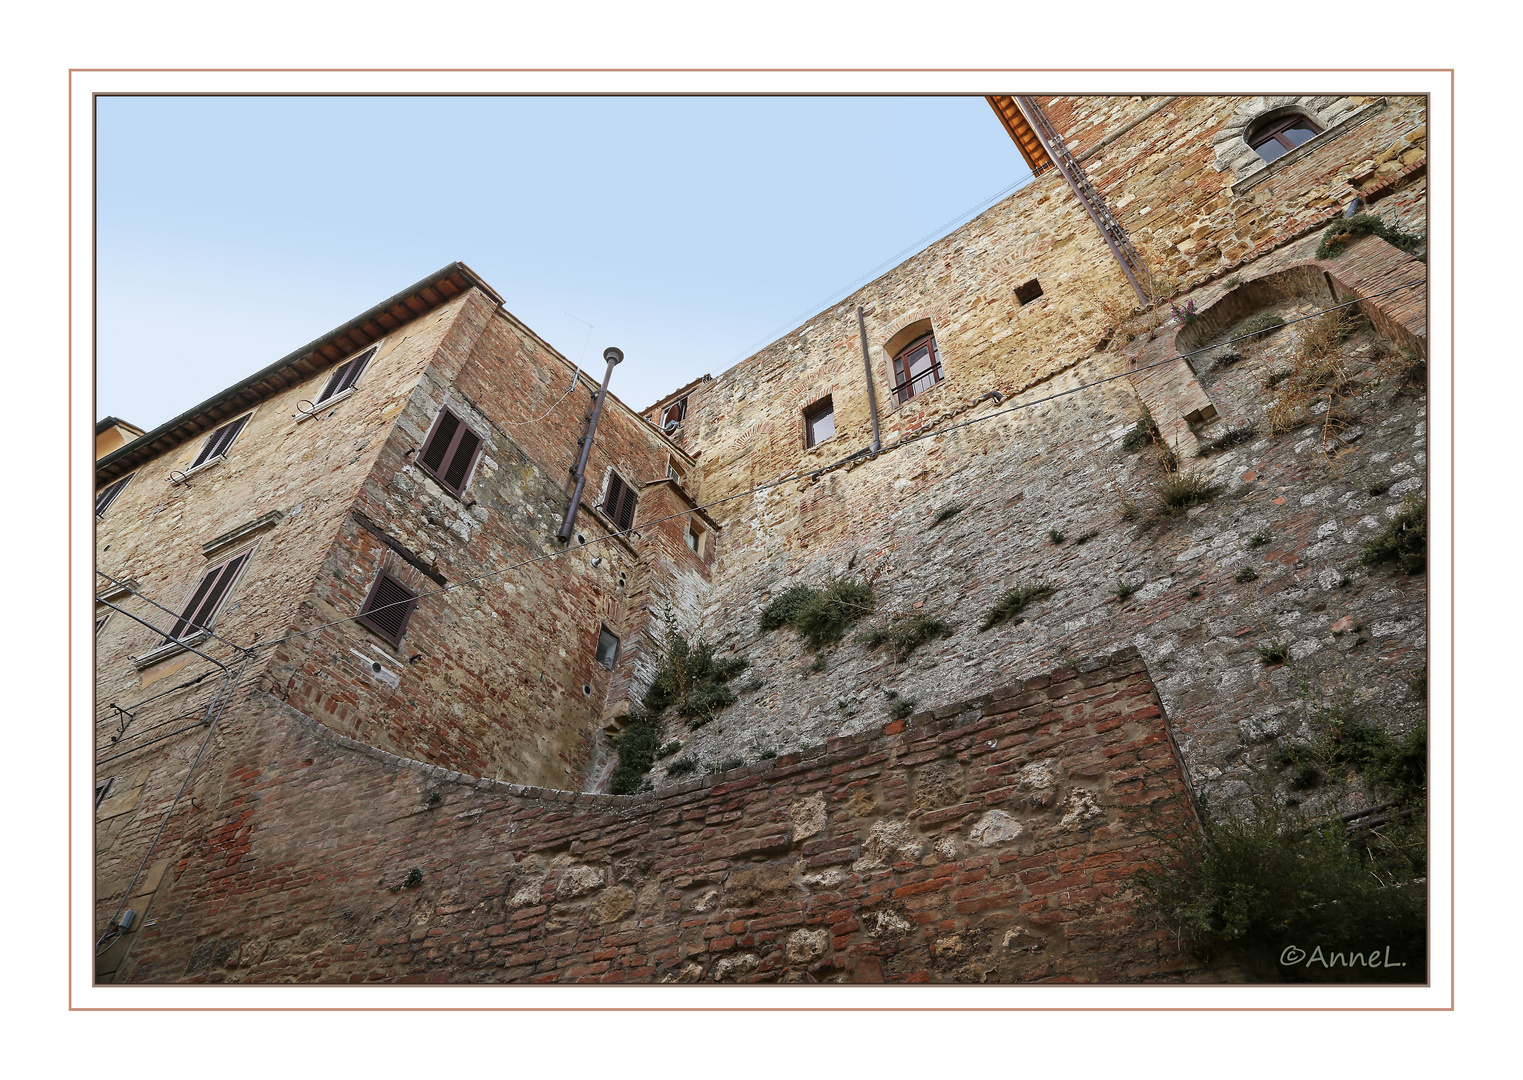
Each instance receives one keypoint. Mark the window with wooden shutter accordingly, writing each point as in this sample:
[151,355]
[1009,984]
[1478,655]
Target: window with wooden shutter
[388,607]
[346,375]
[106,496]
[204,602]
[619,503]
[450,452]
[217,445]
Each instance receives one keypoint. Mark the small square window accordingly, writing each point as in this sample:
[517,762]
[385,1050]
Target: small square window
[388,607]
[917,368]
[608,648]
[1028,292]
[819,422]
[696,537]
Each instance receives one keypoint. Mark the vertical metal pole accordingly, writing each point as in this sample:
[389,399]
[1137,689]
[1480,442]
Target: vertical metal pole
[867,369]
[613,356]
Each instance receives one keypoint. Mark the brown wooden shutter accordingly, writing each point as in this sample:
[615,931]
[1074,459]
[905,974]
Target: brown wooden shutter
[439,443]
[220,440]
[450,452]
[388,607]
[615,493]
[346,375]
[460,464]
[620,503]
[206,599]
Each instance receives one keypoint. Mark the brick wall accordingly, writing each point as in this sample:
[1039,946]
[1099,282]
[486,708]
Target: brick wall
[988,841]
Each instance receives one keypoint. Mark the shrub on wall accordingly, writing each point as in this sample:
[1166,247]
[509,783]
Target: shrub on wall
[821,616]
[1404,542]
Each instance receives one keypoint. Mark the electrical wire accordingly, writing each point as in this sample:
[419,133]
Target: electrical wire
[925,433]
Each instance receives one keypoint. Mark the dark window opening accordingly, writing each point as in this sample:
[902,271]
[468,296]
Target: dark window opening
[1028,292]
[1281,135]
[204,602]
[346,375]
[101,621]
[102,789]
[450,452]
[674,413]
[819,422]
[619,503]
[220,440]
[917,368]
[106,496]
[608,648]
[388,607]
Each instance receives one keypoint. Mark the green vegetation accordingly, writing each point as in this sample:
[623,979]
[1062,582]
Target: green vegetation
[1260,326]
[681,767]
[1178,492]
[1404,542]
[821,616]
[1274,652]
[1013,602]
[1084,538]
[1245,575]
[902,707]
[1260,538]
[1123,592]
[1337,235]
[637,752]
[1056,536]
[734,761]
[1142,433]
[906,635]
[947,512]
[1229,438]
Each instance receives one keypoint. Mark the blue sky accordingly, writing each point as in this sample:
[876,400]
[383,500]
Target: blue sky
[690,231]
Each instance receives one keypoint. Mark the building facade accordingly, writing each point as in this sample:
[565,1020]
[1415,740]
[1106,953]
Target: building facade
[356,701]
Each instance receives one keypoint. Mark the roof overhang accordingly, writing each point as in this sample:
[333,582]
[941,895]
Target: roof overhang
[1019,128]
[434,291]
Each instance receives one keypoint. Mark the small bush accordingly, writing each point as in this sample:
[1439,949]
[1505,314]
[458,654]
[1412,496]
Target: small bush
[902,707]
[1380,488]
[821,616]
[947,512]
[1179,492]
[1141,434]
[1245,575]
[1274,652]
[1260,538]
[1013,602]
[691,680]
[1337,235]
[766,755]
[1419,685]
[733,761]
[669,749]
[413,879]
[818,663]
[906,635]
[637,752]
[1259,326]
[1086,537]
[1404,542]
[682,766]
[1229,438]
[1123,592]
[1056,536]
[1194,594]
[1225,358]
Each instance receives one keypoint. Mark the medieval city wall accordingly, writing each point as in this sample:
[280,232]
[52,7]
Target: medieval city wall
[990,841]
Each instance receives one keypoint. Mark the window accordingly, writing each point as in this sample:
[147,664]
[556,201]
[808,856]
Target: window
[102,789]
[450,451]
[217,445]
[819,422]
[1279,135]
[674,413]
[696,537]
[107,495]
[1028,292]
[619,503]
[388,607]
[917,368]
[204,602]
[346,375]
[608,648]
[100,621]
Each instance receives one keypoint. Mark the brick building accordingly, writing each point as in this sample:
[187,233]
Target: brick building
[356,700]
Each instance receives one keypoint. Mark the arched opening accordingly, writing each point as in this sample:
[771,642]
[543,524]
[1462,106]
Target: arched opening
[1276,134]
[914,360]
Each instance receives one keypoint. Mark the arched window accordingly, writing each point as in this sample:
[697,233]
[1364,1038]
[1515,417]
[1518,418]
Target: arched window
[1279,135]
[917,367]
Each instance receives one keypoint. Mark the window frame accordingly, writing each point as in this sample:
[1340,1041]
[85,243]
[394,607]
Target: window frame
[624,494]
[448,459]
[207,458]
[367,619]
[666,418]
[821,408]
[217,577]
[904,385]
[696,538]
[1272,131]
[597,651]
[110,493]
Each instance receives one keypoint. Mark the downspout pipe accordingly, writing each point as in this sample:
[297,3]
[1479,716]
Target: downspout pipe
[867,369]
[613,356]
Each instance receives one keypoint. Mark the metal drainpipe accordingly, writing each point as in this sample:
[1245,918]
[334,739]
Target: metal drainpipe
[613,356]
[867,368]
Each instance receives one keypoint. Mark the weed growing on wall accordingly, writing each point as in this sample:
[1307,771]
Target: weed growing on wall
[821,616]
[637,746]
[1260,326]
[902,707]
[1337,236]
[1012,603]
[1229,438]
[1404,542]
[1141,434]
[1178,492]
[906,635]
[947,512]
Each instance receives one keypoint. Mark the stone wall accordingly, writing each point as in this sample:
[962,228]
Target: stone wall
[990,841]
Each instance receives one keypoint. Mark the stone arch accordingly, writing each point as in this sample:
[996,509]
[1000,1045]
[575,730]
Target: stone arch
[901,332]
[1233,154]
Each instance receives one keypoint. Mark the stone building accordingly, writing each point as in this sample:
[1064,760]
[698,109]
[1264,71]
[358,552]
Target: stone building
[356,701]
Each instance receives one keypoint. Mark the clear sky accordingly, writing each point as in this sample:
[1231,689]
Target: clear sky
[689,231]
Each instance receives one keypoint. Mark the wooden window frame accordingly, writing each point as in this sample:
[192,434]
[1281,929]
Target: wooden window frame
[597,651]
[207,598]
[110,493]
[699,543]
[680,405]
[219,442]
[904,382]
[367,619]
[816,412]
[343,377]
[620,502]
[448,462]
[1273,132]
